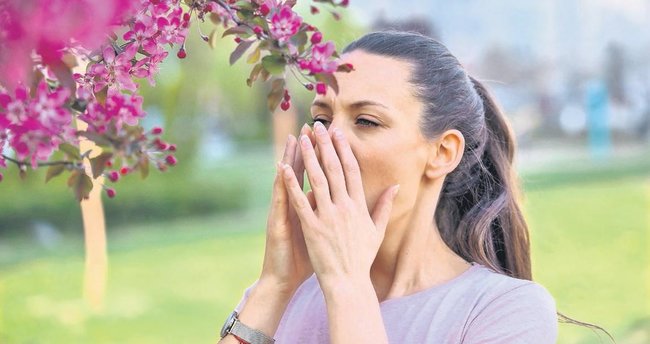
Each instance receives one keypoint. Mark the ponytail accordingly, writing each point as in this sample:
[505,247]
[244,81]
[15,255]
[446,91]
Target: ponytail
[486,223]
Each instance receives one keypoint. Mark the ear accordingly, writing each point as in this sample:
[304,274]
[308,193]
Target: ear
[445,154]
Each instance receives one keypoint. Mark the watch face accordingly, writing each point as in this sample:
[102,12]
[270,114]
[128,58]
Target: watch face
[228,324]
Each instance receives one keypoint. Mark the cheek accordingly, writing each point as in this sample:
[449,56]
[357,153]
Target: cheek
[382,167]
[379,170]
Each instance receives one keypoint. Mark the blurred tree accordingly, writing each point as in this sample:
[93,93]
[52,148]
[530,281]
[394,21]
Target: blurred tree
[615,72]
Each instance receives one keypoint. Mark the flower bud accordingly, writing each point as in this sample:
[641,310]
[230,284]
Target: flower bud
[113,176]
[157,130]
[237,39]
[181,53]
[110,192]
[170,160]
[285,105]
[313,9]
[309,87]
[124,170]
[264,9]
[316,37]
[321,88]
[257,30]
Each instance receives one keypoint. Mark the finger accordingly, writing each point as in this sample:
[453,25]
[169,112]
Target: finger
[331,164]
[290,149]
[298,165]
[311,199]
[279,196]
[350,166]
[297,198]
[381,213]
[317,178]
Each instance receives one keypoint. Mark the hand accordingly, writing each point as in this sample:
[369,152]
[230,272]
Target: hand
[286,263]
[341,235]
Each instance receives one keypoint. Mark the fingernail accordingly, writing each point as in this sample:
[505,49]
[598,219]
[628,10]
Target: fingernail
[319,128]
[395,190]
[304,127]
[304,140]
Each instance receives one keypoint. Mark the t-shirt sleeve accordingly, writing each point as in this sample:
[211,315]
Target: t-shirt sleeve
[525,314]
[242,300]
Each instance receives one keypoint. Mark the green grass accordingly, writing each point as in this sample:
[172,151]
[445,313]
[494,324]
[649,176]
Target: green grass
[176,281]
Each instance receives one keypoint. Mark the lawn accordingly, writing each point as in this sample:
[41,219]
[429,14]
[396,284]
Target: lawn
[176,281]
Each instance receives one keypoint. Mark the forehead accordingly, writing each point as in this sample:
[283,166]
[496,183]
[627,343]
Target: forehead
[375,78]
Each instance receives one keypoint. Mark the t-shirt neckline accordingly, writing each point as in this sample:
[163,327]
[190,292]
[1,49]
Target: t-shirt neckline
[444,285]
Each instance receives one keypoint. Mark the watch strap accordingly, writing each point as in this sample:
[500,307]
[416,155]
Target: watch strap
[250,335]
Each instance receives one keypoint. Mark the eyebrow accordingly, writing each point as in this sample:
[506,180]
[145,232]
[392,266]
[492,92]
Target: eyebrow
[355,105]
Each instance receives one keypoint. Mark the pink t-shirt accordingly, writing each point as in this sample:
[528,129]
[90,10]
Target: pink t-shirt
[478,306]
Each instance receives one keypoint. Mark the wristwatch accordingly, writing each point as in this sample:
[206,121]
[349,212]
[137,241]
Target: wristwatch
[243,332]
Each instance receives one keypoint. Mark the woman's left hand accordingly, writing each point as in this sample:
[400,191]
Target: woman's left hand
[342,236]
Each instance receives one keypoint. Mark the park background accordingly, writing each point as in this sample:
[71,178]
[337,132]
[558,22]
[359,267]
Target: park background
[573,77]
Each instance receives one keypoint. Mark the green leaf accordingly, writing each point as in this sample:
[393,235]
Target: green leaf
[53,171]
[274,64]
[97,138]
[215,18]
[143,165]
[265,74]
[63,75]
[98,163]
[254,74]
[101,95]
[276,94]
[71,150]
[212,41]
[240,50]
[81,184]
[299,39]
[254,56]
[344,67]
[244,5]
[237,30]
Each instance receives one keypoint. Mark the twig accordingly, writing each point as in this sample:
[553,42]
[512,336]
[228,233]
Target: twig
[40,164]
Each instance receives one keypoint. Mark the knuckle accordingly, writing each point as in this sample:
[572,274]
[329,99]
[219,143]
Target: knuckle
[332,166]
[351,167]
[319,182]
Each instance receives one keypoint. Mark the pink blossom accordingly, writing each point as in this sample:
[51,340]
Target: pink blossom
[284,23]
[84,21]
[119,109]
[36,126]
[320,59]
[143,36]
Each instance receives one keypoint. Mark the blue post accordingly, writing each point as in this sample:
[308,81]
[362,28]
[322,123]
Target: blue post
[597,121]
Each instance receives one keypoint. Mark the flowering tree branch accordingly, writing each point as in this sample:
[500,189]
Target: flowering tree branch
[42,99]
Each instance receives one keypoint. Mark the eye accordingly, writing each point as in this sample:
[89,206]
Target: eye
[366,123]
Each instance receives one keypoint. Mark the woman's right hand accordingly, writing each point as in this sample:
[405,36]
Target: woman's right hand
[286,262]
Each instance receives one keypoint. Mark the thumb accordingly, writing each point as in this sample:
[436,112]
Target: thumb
[381,213]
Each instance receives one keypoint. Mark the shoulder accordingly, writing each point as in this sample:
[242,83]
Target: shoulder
[511,310]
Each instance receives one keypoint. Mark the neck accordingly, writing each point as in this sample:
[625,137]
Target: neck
[413,256]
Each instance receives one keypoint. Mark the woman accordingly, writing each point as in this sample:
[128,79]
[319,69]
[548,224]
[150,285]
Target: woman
[445,259]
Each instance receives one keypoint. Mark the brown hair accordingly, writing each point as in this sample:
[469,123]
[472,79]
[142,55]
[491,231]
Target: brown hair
[478,214]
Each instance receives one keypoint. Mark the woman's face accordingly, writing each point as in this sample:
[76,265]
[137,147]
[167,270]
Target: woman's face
[379,116]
